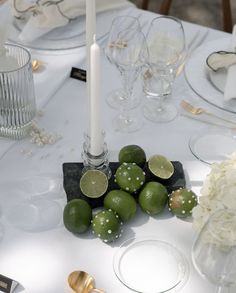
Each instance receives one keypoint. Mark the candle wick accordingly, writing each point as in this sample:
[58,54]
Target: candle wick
[94,38]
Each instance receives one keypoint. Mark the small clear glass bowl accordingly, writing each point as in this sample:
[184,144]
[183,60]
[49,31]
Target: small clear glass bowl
[150,265]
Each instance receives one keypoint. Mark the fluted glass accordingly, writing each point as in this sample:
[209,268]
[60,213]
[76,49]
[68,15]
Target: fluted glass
[17,97]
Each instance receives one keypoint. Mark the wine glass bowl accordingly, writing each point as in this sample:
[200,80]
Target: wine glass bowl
[126,49]
[117,40]
[166,55]
[214,251]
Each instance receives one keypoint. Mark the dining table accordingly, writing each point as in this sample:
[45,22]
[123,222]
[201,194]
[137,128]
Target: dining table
[39,256]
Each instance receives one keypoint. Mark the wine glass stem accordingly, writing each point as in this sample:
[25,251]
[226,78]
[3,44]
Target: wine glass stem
[222,289]
[127,84]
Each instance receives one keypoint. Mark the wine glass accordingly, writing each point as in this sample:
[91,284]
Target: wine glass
[167,52]
[121,23]
[214,251]
[128,50]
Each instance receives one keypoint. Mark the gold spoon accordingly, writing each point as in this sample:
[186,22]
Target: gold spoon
[36,64]
[82,282]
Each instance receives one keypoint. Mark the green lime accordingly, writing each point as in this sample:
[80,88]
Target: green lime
[130,177]
[106,225]
[181,202]
[77,216]
[160,166]
[132,154]
[122,203]
[153,198]
[93,183]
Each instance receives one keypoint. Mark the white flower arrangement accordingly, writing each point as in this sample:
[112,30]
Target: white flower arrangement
[218,192]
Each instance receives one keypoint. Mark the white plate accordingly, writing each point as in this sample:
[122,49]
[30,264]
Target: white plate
[67,37]
[198,77]
[218,78]
[213,145]
[149,265]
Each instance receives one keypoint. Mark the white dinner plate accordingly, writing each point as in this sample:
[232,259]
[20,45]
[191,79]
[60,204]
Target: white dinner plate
[218,78]
[67,37]
[203,81]
[149,265]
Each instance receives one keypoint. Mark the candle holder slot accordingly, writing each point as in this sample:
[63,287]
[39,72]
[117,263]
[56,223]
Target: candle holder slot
[95,162]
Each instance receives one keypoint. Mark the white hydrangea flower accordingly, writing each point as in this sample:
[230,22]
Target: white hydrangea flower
[218,192]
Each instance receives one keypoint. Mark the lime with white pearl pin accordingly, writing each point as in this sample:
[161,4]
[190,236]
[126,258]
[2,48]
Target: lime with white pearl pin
[130,177]
[107,225]
[181,202]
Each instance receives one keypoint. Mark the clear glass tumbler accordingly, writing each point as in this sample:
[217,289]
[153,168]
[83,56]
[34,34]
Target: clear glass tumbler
[17,97]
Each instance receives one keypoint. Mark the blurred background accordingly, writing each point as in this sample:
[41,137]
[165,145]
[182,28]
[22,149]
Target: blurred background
[204,12]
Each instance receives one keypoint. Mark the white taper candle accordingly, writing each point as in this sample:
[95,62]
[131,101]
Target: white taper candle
[90,32]
[96,135]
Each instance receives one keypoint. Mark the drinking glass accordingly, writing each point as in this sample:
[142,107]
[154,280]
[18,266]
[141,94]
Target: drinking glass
[17,97]
[120,24]
[127,49]
[167,51]
[214,251]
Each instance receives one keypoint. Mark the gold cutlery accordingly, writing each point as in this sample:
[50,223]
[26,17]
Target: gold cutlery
[82,282]
[198,111]
[36,64]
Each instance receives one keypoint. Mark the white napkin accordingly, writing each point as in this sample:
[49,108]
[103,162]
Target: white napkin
[7,63]
[230,86]
[43,16]
[54,73]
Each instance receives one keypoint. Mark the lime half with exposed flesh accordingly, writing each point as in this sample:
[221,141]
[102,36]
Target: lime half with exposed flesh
[160,166]
[93,183]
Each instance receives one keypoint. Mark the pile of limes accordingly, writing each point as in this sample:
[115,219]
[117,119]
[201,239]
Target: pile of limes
[120,205]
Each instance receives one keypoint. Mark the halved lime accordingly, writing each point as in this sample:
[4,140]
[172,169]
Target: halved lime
[132,154]
[93,183]
[160,166]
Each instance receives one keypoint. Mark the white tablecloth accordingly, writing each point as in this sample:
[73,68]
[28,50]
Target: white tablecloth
[41,261]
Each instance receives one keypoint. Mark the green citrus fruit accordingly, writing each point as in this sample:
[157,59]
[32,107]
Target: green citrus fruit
[181,202]
[130,177]
[160,166]
[153,198]
[106,225]
[122,203]
[132,154]
[77,216]
[93,183]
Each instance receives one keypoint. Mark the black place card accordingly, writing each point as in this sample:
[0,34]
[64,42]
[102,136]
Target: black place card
[72,173]
[78,73]
[7,285]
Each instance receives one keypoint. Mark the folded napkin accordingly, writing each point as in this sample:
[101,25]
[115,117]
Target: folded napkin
[42,16]
[7,63]
[230,86]
[57,69]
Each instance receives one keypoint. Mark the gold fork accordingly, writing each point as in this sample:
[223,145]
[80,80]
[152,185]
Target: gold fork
[36,64]
[198,111]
